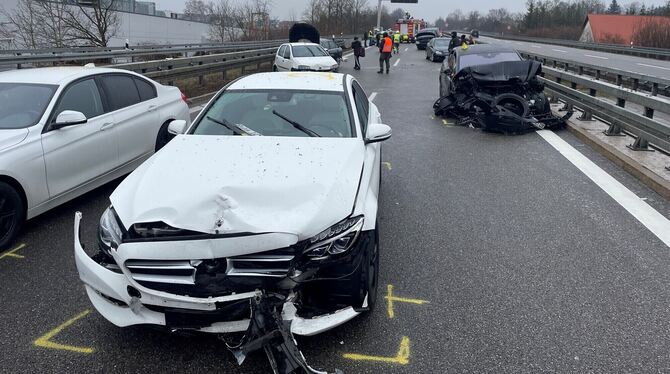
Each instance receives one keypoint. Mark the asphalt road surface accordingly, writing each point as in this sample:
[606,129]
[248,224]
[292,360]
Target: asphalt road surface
[526,263]
[646,66]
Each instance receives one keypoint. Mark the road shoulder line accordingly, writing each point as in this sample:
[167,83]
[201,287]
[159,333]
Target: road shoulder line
[638,208]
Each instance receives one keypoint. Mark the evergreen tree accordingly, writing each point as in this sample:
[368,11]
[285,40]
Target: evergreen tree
[614,8]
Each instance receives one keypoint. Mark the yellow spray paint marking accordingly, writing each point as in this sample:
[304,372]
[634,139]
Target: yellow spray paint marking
[388,165]
[445,122]
[11,252]
[402,357]
[390,299]
[45,340]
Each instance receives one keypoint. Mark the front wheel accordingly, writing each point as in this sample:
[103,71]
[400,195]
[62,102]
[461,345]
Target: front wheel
[274,68]
[12,214]
[163,136]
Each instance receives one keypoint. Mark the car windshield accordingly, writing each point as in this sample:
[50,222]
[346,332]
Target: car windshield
[278,113]
[441,42]
[308,51]
[487,58]
[23,104]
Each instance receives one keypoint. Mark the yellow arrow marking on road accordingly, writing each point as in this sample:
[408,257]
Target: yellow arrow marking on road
[390,299]
[388,165]
[11,252]
[44,341]
[445,122]
[402,357]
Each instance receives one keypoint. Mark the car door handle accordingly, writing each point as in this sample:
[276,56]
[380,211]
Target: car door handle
[106,126]
[152,108]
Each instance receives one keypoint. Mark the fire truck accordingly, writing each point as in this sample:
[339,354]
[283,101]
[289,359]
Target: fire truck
[408,28]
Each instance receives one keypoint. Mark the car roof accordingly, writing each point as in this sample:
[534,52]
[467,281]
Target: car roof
[53,75]
[482,48]
[310,81]
[300,43]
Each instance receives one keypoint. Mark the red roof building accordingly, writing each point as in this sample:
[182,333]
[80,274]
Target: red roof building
[614,28]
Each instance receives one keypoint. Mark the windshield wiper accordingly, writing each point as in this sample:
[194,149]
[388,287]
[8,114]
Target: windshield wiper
[297,125]
[236,130]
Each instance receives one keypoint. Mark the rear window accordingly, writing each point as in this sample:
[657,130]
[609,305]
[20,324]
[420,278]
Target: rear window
[121,91]
[308,51]
[23,104]
[487,58]
[147,90]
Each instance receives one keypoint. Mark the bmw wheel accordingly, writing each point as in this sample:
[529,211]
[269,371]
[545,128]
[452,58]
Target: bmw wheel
[12,214]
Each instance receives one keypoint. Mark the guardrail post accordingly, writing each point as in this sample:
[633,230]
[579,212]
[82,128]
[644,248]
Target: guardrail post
[581,70]
[614,130]
[586,115]
[641,144]
[598,75]
[18,66]
[567,107]
[621,102]
[636,84]
[654,89]
[573,85]
[648,112]
[619,80]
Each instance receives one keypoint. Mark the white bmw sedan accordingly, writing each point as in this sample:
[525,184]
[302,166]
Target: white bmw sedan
[272,191]
[303,57]
[67,130]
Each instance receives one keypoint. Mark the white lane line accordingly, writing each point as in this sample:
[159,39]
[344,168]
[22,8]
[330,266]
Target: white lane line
[372,96]
[653,66]
[648,216]
[559,50]
[396,62]
[600,57]
[536,46]
[519,43]
[406,49]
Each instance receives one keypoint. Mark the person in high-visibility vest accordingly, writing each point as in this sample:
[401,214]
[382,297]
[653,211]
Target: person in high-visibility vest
[396,42]
[385,51]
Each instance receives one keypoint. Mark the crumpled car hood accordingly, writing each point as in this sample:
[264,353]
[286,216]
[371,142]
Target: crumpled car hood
[255,184]
[522,71]
[10,137]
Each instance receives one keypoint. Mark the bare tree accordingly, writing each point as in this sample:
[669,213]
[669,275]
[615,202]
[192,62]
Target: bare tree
[22,24]
[96,24]
[222,22]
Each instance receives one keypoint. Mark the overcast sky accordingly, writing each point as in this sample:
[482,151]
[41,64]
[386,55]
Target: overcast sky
[426,9]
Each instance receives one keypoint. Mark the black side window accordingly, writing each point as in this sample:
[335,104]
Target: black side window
[287,53]
[362,108]
[146,89]
[281,50]
[120,91]
[83,97]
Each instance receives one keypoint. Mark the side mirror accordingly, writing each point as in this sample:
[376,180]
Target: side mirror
[177,127]
[377,132]
[68,118]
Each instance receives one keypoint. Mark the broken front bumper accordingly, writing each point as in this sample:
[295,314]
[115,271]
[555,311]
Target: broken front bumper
[124,301]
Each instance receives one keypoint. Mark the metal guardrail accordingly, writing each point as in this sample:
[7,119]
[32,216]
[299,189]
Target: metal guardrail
[19,60]
[655,53]
[170,69]
[643,126]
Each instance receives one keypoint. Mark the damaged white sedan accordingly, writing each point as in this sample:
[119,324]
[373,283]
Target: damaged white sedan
[260,217]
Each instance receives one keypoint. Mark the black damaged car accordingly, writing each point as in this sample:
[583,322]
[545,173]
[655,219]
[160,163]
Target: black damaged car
[494,88]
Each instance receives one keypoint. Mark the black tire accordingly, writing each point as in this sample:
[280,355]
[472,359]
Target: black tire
[12,215]
[274,68]
[163,136]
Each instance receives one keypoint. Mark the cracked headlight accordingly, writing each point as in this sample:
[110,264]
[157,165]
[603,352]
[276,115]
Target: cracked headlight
[336,239]
[109,231]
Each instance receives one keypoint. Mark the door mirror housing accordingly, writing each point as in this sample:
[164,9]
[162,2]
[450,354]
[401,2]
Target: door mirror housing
[177,127]
[377,132]
[68,118]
